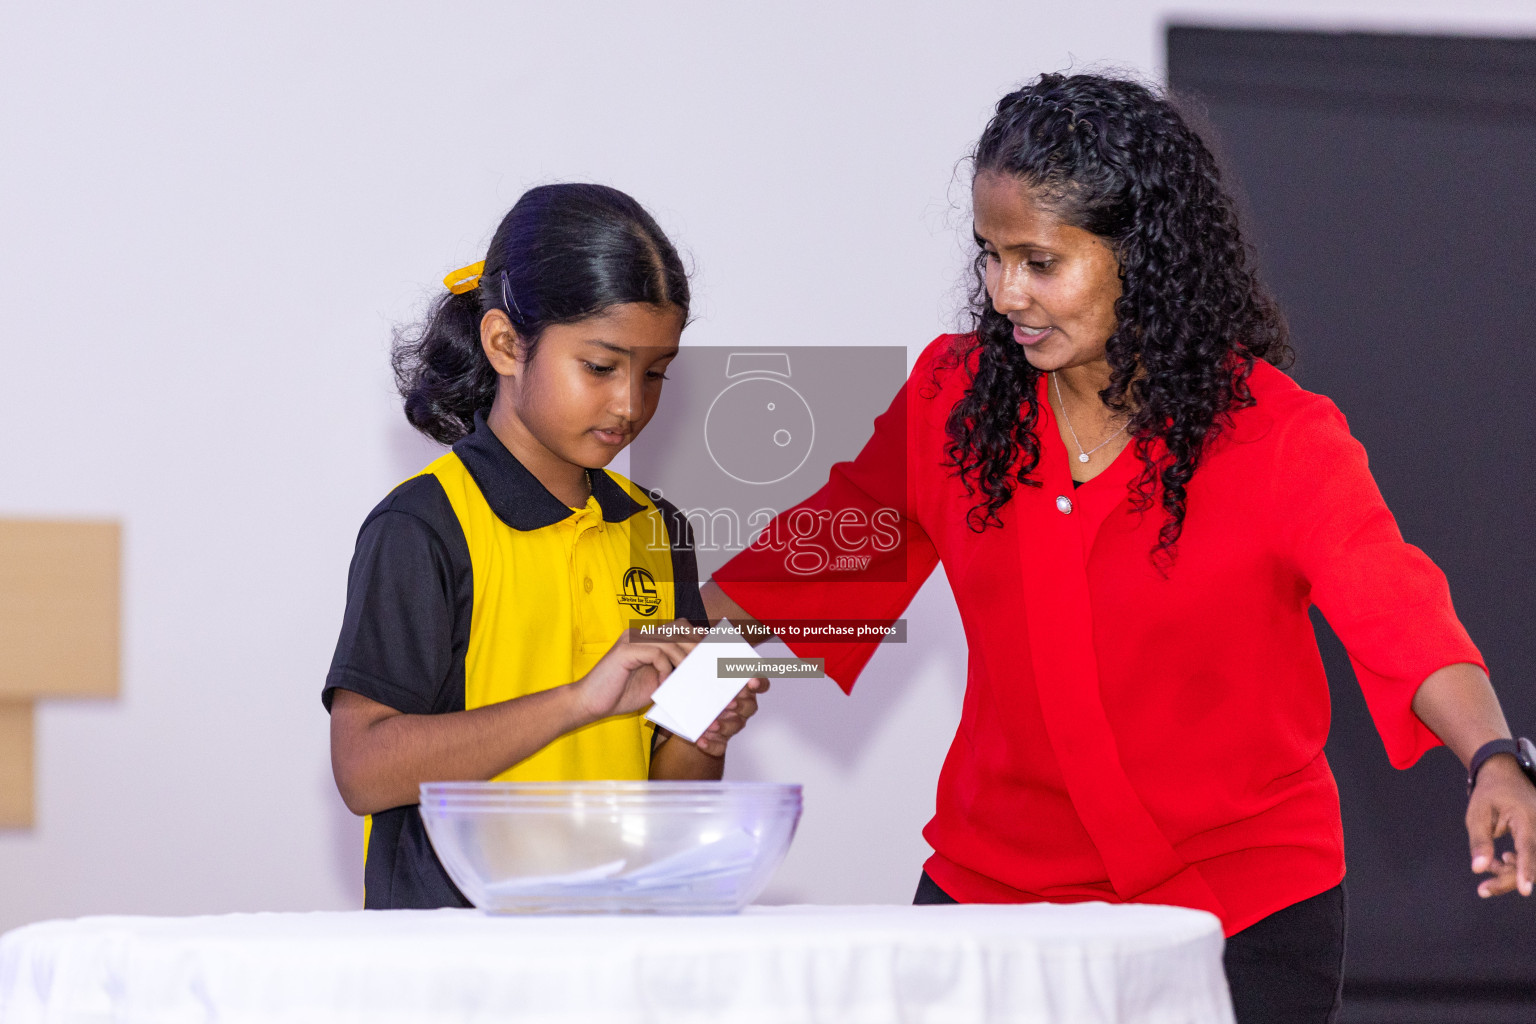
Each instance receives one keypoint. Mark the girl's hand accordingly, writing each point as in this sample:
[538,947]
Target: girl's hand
[1503,803]
[732,719]
[624,679]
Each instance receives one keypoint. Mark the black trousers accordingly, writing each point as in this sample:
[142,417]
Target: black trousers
[1286,969]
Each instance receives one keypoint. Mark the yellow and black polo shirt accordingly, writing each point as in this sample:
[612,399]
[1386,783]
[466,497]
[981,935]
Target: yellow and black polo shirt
[473,584]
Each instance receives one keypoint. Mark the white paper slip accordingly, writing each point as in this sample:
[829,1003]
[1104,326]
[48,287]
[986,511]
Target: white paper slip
[571,878]
[657,715]
[693,696]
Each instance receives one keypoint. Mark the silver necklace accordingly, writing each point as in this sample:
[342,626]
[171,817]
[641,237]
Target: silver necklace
[1082,456]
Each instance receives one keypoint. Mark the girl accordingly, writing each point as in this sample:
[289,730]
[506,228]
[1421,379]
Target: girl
[488,595]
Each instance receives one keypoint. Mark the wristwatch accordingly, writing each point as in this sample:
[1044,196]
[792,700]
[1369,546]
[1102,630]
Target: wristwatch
[1523,749]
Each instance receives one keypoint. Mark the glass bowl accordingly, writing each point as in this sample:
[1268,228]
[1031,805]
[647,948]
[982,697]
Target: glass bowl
[604,847]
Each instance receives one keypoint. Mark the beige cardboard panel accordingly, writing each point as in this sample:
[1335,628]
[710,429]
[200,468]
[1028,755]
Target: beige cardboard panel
[59,608]
[16,786]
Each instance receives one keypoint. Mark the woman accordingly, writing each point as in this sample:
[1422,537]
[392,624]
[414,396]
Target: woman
[1135,510]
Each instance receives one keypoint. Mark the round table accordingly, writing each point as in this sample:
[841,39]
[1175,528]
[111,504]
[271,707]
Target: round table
[1082,963]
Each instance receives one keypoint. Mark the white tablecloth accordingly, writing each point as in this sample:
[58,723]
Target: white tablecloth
[839,965]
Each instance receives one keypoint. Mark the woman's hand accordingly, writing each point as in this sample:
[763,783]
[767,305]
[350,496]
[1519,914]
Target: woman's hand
[623,679]
[1459,706]
[1503,803]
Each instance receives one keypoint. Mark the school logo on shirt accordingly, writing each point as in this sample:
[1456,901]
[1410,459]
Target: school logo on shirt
[640,591]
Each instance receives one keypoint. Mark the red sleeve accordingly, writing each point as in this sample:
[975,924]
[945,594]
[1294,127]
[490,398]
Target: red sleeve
[854,551]
[1388,603]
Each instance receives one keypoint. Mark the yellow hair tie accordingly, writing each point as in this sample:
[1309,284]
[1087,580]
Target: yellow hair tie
[465,278]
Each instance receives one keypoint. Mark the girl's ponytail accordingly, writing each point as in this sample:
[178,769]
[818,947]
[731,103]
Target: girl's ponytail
[562,254]
[441,371]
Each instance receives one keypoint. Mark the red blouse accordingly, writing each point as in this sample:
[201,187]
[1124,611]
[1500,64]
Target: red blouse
[1129,736]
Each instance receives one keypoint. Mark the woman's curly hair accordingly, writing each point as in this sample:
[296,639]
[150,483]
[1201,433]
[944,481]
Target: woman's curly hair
[1111,157]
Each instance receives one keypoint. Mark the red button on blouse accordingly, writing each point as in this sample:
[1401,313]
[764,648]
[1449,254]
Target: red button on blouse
[1128,735]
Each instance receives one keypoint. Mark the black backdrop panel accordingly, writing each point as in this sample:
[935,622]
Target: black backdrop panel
[1390,186]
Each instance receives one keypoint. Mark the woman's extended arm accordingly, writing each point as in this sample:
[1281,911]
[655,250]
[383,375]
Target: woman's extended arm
[1391,606]
[1458,705]
[855,551]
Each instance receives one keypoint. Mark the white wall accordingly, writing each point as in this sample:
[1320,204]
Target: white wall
[209,218]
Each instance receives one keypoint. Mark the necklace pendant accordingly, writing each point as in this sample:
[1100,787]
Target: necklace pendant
[1083,457]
